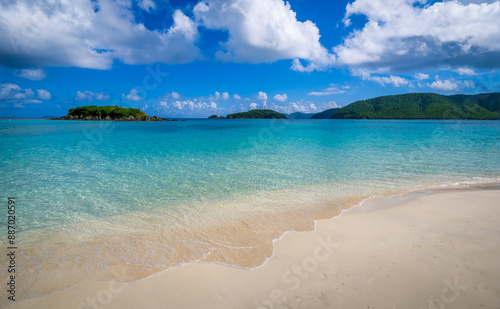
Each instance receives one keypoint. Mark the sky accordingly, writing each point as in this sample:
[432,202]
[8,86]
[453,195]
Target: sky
[193,59]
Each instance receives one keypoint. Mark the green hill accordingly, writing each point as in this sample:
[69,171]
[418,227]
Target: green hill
[257,114]
[424,106]
[325,114]
[299,115]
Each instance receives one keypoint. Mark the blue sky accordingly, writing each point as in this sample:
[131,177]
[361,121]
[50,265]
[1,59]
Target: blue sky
[198,58]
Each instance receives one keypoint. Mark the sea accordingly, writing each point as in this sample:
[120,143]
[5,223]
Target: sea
[101,200]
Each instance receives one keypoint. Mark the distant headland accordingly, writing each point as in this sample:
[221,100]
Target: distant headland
[254,114]
[484,106]
[109,113]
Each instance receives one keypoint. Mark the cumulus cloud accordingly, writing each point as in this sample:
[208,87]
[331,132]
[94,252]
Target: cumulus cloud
[465,71]
[193,105]
[237,97]
[218,96]
[44,94]
[91,96]
[280,97]
[450,85]
[15,94]
[421,76]
[403,35]
[262,96]
[133,95]
[253,105]
[175,95]
[37,74]
[444,85]
[332,89]
[264,31]
[90,34]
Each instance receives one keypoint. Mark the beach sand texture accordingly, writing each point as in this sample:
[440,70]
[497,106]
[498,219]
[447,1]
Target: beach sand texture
[423,250]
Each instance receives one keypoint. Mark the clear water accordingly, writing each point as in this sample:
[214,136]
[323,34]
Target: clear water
[144,196]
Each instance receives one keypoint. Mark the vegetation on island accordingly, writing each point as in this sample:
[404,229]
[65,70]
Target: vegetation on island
[327,114]
[216,117]
[257,114]
[93,112]
[424,106]
[299,115]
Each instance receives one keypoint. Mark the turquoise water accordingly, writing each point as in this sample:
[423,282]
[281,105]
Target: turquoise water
[173,183]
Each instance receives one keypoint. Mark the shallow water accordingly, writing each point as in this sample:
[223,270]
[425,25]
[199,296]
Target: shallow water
[124,200]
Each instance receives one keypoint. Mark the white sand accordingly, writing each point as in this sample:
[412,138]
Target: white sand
[439,250]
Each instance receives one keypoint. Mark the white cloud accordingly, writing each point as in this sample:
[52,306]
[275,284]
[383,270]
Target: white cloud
[262,96]
[253,105]
[146,5]
[237,97]
[44,94]
[465,71]
[444,85]
[19,96]
[264,31]
[331,104]
[450,84]
[37,74]
[332,89]
[421,76]
[193,105]
[401,34]
[280,97]
[217,96]
[90,96]
[396,81]
[90,34]
[175,95]
[133,95]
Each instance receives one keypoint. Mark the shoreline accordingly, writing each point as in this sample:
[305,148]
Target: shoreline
[97,249]
[229,271]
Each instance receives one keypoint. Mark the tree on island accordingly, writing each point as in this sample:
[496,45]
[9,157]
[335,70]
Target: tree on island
[257,114]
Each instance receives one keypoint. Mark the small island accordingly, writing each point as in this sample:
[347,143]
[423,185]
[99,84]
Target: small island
[257,114]
[108,113]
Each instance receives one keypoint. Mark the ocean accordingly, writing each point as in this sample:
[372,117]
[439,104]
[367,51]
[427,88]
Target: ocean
[125,200]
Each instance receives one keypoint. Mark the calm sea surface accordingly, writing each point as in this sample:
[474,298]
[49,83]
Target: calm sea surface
[124,200]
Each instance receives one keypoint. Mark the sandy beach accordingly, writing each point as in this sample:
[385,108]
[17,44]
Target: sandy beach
[427,249]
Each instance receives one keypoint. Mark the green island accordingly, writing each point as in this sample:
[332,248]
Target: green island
[116,113]
[257,114]
[327,114]
[299,115]
[424,106]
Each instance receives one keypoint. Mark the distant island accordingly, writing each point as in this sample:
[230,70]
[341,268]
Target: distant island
[484,106]
[327,114]
[424,106]
[257,114]
[108,113]
[216,117]
[300,115]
